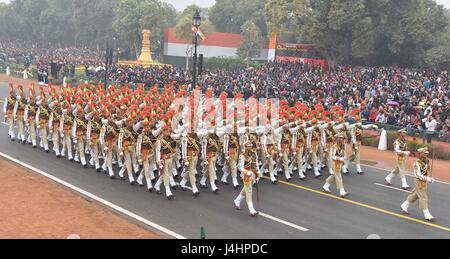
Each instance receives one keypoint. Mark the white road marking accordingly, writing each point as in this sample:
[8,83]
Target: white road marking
[98,199]
[391,187]
[283,222]
[275,219]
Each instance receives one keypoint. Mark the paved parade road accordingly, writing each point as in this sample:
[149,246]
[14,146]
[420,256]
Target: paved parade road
[289,210]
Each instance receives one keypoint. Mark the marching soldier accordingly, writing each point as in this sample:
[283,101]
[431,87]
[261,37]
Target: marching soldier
[270,150]
[165,150]
[54,124]
[400,149]
[422,176]
[338,157]
[93,138]
[8,110]
[328,141]
[284,142]
[78,132]
[126,147]
[356,131]
[19,112]
[249,168]
[42,117]
[210,148]
[30,115]
[342,127]
[298,146]
[191,149]
[145,150]
[313,140]
[231,153]
[109,137]
[65,128]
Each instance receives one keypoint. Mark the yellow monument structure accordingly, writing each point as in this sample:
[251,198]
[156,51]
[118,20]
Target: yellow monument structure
[145,59]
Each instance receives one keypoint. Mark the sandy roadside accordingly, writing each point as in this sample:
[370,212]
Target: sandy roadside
[34,207]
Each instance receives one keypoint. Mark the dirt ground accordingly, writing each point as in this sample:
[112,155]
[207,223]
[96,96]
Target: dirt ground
[34,207]
[16,81]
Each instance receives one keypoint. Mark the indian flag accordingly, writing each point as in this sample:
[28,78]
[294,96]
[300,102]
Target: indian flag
[198,32]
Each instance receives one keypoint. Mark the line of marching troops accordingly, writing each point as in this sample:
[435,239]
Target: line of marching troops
[151,136]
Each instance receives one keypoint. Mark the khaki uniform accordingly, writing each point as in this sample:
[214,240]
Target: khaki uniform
[337,155]
[146,153]
[19,112]
[190,149]
[400,150]
[109,134]
[79,134]
[420,192]
[54,126]
[313,141]
[165,150]
[231,150]
[29,117]
[298,145]
[65,131]
[126,145]
[249,169]
[329,142]
[93,137]
[285,144]
[9,117]
[210,148]
[42,118]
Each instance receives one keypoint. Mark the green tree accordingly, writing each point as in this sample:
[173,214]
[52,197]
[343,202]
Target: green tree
[11,26]
[438,57]
[251,41]
[361,31]
[133,16]
[29,11]
[230,15]
[183,27]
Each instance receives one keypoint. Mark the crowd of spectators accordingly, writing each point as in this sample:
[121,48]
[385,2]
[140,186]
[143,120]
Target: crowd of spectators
[412,98]
[50,60]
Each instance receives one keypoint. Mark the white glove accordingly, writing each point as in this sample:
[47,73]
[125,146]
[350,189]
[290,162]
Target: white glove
[281,154]
[342,159]
[431,180]
[375,127]
[407,153]
[186,163]
[205,163]
[227,158]
[294,153]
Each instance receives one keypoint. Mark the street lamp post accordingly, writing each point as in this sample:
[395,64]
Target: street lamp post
[196,22]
